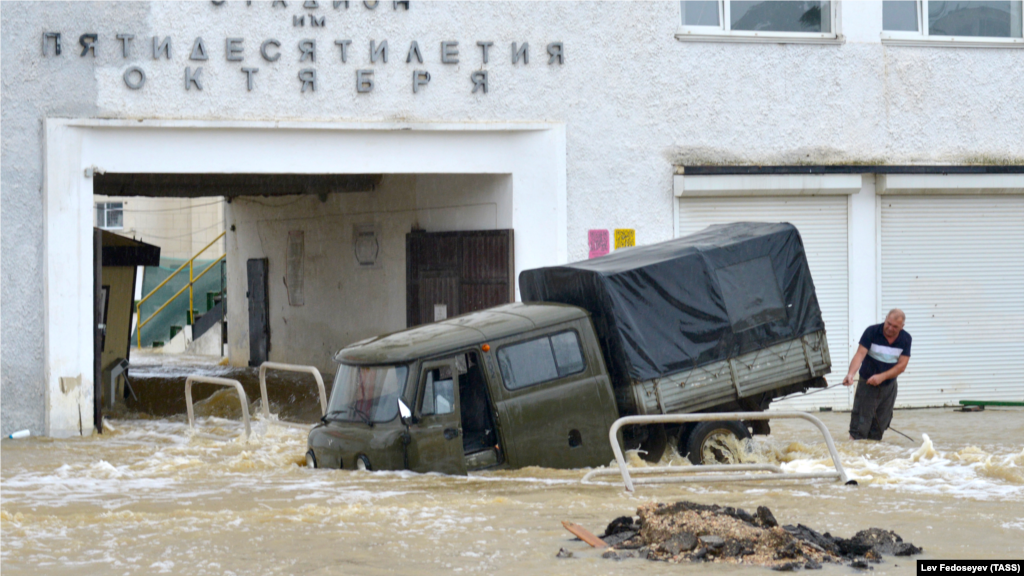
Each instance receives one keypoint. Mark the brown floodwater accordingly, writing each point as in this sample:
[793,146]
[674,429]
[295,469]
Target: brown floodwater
[149,497]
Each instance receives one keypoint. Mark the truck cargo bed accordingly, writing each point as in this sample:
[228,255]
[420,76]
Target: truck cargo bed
[724,292]
[771,368]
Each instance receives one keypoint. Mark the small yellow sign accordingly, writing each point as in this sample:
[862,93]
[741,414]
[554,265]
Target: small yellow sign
[625,237]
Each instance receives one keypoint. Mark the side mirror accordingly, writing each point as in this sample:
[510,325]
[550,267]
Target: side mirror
[405,413]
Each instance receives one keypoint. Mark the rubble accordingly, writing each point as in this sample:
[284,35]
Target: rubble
[691,532]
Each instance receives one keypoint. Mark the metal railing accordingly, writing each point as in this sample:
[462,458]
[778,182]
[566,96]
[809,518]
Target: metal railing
[695,473]
[220,382]
[191,281]
[289,368]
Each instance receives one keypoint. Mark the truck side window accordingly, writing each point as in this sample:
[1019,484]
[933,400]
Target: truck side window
[439,394]
[541,359]
[568,356]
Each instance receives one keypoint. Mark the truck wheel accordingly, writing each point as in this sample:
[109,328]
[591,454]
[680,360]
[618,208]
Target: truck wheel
[708,442]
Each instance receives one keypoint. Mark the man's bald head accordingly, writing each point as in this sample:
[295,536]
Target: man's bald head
[894,321]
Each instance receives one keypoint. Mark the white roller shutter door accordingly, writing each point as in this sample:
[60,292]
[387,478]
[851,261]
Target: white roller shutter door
[822,222]
[955,265]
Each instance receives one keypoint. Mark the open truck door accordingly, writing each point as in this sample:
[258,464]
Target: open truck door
[435,443]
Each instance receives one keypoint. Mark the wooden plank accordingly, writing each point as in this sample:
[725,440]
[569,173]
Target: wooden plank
[584,534]
[989,403]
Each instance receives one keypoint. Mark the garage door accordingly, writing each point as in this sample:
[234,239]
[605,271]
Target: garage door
[822,222]
[955,265]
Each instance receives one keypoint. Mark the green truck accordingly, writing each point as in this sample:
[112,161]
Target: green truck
[724,320]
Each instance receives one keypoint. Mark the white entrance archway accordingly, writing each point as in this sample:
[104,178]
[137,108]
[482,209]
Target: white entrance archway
[533,154]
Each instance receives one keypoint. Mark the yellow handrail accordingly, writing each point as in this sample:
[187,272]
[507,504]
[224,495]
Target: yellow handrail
[138,305]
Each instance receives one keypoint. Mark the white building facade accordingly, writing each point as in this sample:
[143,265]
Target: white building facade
[890,134]
[181,227]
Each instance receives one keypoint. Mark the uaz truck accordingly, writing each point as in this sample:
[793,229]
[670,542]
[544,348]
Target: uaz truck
[719,321]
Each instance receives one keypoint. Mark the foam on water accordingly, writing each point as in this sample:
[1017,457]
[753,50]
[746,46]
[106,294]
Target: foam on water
[162,457]
[149,364]
[155,492]
[163,461]
[970,472]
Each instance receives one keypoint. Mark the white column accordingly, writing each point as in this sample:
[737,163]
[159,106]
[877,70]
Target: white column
[863,259]
[68,285]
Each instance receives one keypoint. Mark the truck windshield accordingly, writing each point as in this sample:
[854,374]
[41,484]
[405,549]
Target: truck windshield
[367,393]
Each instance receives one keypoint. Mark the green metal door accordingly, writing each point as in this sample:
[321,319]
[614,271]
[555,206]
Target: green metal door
[436,439]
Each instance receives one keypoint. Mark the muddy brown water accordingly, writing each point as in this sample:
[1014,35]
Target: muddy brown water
[149,497]
[158,382]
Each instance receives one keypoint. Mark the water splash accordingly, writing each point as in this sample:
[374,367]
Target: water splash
[148,493]
[926,451]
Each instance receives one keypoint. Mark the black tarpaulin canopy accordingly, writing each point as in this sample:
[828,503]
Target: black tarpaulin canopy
[659,309]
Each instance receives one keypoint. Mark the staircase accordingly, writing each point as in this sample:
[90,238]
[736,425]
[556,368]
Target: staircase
[198,324]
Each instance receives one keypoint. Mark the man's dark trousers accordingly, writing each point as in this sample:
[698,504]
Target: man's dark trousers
[872,410]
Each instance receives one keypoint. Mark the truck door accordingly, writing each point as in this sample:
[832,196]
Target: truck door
[557,406]
[436,440]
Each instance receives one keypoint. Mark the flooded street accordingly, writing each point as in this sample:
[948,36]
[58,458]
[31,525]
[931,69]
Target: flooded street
[148,497]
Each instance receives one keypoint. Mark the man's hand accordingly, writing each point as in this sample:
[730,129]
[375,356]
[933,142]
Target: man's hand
[855,363]
[876,380]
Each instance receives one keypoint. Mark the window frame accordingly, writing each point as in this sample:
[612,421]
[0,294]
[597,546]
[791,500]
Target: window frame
[337,389]
[721,33]
[106,210]
[921,37]
[548,336]
[425,368]
[433,396]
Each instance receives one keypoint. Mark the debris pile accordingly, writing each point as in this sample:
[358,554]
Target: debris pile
[690,532]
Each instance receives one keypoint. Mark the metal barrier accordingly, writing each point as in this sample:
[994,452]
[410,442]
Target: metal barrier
[694,472]
[290,368]
[220,382]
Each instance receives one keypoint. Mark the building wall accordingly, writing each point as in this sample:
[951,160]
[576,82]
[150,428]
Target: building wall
[635,101]
[344,303]
[181,227]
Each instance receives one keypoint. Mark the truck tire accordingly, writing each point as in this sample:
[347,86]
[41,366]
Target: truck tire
[704,443]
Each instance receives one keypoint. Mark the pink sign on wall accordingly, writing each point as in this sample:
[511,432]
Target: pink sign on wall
[598,240]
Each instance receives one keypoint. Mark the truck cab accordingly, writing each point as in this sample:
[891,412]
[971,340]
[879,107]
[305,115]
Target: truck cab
[512,386]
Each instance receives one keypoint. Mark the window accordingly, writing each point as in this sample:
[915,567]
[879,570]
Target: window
[110,215]
[568,356]
[366,393]
[735,21]
[541,359]
[961,23]
[439,393]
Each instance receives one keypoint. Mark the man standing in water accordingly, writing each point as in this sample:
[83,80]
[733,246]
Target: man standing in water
[883,355]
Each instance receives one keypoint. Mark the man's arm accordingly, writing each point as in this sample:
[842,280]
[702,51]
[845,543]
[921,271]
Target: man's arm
[855,363]
[893,372]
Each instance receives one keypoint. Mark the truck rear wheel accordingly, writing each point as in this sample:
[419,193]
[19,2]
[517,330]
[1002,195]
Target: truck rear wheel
[709,442]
